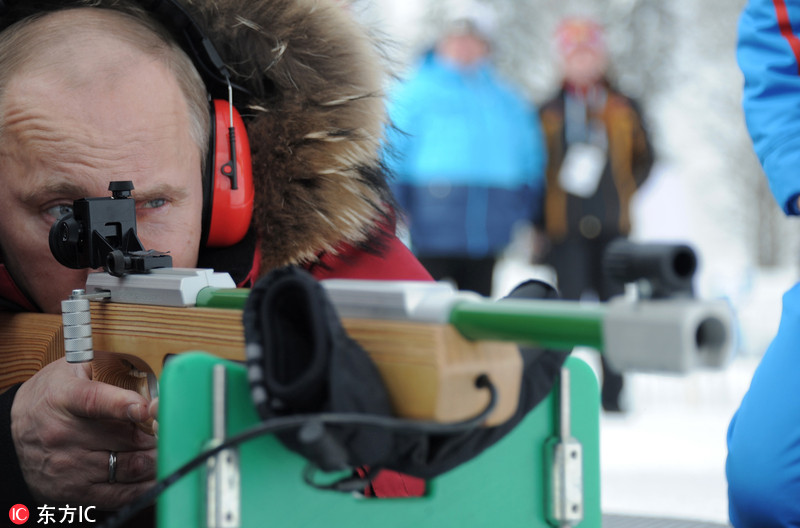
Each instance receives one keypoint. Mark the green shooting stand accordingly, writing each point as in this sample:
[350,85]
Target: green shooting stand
[514,483]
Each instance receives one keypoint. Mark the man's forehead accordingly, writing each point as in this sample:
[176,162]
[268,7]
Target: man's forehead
[79,113]
[78,23]
[77,45]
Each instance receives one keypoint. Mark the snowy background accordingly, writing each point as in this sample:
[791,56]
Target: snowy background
[666,456]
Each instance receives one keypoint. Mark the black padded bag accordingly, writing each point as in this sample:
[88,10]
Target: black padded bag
[301,361]
[306,363]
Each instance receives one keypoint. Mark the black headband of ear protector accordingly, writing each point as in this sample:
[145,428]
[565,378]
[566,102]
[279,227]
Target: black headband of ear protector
[172,15]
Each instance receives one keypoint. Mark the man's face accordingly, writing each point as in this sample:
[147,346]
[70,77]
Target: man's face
[66,140]
[463,49]
[584,66]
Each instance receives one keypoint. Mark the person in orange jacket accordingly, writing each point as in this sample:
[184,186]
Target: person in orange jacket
[598,155]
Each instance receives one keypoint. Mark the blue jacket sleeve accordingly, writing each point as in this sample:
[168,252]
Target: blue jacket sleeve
[763,464]
[767,54]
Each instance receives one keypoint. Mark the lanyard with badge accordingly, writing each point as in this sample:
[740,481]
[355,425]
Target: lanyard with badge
[586,149]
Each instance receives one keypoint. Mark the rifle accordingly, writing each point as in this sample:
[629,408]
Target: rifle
[428,341]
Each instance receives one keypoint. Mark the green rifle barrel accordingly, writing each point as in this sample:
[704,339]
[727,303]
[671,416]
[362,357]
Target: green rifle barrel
[228,298]
[544,323]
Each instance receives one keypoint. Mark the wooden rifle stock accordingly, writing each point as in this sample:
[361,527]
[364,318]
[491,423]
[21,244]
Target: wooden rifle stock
[429,369]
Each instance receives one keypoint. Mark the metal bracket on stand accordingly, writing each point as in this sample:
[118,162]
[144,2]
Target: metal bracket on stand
[223,477]
[565,463]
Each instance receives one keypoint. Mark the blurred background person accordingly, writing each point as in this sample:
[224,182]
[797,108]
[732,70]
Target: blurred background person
[467,152]
[598,156]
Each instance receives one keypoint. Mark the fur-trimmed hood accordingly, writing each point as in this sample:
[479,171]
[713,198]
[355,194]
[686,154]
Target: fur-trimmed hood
[315,124]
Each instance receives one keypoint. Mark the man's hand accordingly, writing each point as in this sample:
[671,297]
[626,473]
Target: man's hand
[64,426]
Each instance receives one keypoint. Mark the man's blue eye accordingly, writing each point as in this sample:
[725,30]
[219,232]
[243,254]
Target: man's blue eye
[57,211]
[154,204]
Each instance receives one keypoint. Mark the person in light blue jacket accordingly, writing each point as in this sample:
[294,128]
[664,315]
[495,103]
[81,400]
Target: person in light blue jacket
[469,157]
[763,464]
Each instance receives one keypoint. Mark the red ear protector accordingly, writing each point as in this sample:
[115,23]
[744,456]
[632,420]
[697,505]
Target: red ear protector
[228,181]
[228,178]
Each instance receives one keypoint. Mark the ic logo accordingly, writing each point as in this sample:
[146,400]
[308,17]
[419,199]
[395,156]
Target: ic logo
[18,514]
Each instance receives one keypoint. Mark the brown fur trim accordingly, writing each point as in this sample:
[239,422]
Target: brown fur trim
[315,124]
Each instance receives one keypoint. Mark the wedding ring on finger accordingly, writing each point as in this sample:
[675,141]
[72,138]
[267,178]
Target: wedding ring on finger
[112,467]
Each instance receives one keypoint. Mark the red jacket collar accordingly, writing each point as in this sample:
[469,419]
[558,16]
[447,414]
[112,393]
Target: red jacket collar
[11,297]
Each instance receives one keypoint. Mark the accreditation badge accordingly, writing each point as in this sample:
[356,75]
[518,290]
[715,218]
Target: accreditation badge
[582,169]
